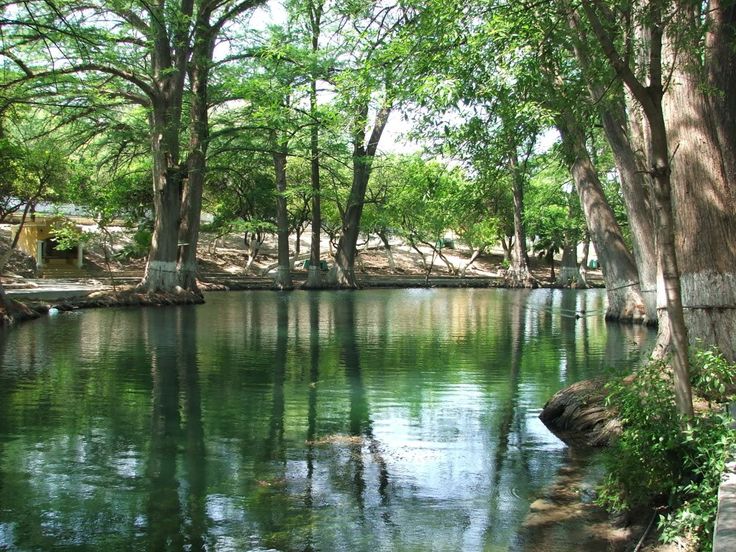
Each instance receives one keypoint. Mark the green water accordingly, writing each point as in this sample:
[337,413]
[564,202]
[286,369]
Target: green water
[375,420]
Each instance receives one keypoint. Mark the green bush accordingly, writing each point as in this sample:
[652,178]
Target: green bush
[139,246]
[660,460]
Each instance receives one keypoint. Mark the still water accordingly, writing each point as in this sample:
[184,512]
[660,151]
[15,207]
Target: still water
[361,421]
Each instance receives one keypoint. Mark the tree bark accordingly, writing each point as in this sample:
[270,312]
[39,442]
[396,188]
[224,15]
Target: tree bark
[650,98]
[169,57]
[704,209]
[282,280]
[518,274]
[342,274]
[161,268]
[619,272]
[721,73]
[568,273]
[633,181]
[638,207]
[315,278]
[191,204]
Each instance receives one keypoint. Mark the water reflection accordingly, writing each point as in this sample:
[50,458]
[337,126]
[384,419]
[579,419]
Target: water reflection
[305,421]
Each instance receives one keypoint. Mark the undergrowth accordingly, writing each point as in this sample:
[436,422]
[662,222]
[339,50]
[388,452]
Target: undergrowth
[665,462]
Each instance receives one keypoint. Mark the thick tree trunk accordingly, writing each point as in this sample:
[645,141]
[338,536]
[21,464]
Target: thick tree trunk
[633,181]
[705,215]
[721,71]
[282,280]
[650,98]
[161,268]
[638,207]
[342,274]
[191,204]
[665,229]
[168,65]
[619,272]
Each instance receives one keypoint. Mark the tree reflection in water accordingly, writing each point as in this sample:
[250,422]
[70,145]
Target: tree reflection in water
[302,421]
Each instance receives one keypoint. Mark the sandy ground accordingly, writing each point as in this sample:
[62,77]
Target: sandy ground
[225,257]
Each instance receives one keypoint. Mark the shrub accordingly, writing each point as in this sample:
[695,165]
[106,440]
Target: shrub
[139,245]
[661,460]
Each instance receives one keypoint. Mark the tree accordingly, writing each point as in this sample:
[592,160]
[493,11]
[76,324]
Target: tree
[612,111]
[367,86]
[650,97]
[140,53]
[554,216]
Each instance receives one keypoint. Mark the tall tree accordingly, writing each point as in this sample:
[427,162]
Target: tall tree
[367,84]
[650,97]
[140,52]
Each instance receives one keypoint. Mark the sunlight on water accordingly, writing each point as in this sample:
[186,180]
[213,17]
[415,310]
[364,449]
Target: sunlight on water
[376,420]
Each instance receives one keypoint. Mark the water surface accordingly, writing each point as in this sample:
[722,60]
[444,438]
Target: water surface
[374,420]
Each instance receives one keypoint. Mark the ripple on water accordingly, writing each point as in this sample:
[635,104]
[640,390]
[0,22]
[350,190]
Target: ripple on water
[350,421]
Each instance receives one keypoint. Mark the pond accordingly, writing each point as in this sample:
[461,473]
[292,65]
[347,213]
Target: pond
[371,420]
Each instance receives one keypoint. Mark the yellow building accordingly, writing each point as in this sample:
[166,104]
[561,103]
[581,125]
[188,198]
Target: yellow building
[37,240]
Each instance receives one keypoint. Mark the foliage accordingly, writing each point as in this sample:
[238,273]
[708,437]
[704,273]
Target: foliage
[664,461]
[552,212]
[139,245]
[67,235]
[712,375]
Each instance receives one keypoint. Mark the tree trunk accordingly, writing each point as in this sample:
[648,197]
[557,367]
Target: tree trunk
[297,246]
[650,98]
[518,274]
[161,273]
[633,181]
[568,273]
[22,223]
[474,257]
[507,245]
[342,274]
[551,258]
[665,231]
[282,280]
[315,279]
[253,247]
[638,207]
[168,65]
[619,272]
[583,269]
[389,252]
[721,71]
[705,216]
[191,204]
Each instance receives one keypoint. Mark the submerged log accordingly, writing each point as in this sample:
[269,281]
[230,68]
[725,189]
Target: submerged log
[578,415]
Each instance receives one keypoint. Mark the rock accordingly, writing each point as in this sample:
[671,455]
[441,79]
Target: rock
[15,311]
[578,415]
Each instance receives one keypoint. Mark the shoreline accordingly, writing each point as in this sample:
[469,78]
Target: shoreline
[25,307]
